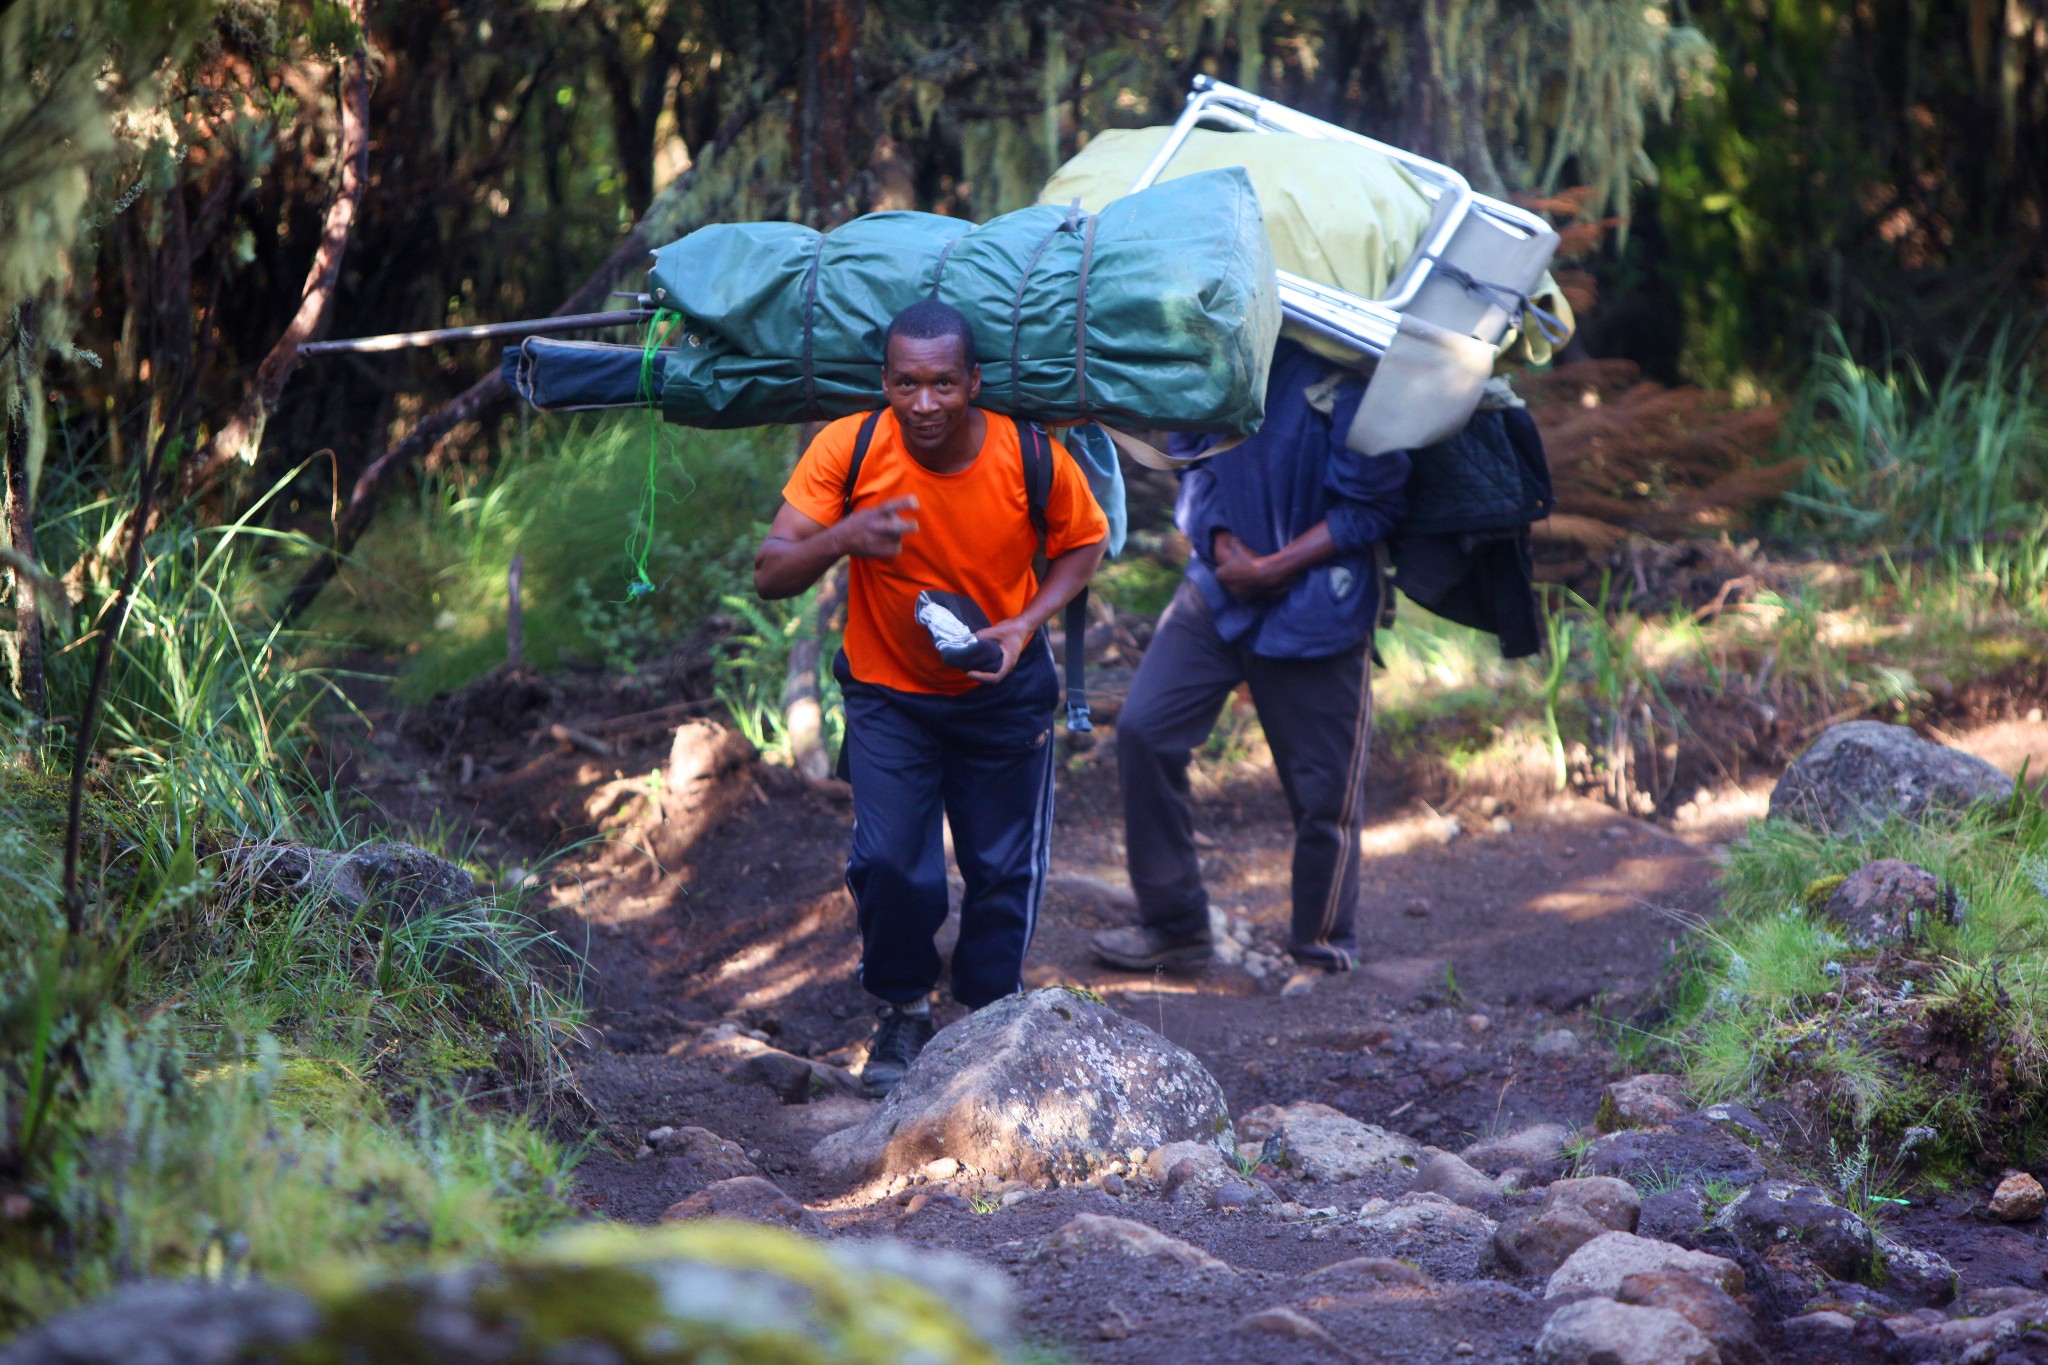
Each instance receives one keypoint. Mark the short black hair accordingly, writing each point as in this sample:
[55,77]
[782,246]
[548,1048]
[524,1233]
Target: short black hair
[928,320]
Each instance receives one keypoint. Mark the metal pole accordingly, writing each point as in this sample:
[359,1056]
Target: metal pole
[400,341]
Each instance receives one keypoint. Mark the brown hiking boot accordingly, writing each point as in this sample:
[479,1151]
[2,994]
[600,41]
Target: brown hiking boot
[1138,949]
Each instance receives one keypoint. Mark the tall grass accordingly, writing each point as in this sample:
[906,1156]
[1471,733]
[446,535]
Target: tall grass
[429,580]
[1898,459]
[213,1074]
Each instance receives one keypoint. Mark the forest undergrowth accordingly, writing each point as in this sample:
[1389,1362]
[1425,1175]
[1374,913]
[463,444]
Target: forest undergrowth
[208,1074]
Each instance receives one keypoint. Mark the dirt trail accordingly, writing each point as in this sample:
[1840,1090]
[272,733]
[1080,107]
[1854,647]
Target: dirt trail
[1556,917]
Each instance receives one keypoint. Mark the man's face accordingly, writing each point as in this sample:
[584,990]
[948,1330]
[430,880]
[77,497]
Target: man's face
[929,385]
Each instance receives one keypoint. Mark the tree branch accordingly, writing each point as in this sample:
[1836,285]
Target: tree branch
[239,439]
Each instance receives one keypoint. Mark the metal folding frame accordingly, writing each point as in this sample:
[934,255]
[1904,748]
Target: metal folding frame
[1367,325]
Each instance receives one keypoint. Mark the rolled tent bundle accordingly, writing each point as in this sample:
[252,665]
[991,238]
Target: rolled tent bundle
[1160,311]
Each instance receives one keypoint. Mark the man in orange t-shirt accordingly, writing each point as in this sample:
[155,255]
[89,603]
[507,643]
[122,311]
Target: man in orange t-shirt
[948,678]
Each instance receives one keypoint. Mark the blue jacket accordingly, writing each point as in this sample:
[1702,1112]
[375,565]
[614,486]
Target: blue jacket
[1277,484]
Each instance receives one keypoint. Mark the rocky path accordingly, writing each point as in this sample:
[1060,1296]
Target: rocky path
[1508,951]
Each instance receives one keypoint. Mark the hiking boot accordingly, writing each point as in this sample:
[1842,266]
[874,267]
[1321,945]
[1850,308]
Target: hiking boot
[1139,949]
[899,1037]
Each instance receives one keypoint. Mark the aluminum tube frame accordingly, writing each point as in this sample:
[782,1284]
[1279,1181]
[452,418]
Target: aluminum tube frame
[1367,325]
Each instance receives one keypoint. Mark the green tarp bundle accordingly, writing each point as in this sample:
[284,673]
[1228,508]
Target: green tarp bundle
[1159,311]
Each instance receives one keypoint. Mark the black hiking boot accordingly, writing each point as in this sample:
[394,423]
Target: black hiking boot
[899,1037]
[1139,949]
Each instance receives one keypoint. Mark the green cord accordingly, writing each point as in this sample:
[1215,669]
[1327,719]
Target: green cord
[661,328]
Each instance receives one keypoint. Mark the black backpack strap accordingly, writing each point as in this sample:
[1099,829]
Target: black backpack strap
[861,443]
[1037,449]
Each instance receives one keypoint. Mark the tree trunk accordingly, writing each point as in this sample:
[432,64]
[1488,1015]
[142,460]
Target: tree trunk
[28,636]
[239,439]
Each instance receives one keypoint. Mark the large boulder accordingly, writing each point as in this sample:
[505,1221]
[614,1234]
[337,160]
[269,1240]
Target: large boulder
[1864,771]
[728,1290]
[1048,1084]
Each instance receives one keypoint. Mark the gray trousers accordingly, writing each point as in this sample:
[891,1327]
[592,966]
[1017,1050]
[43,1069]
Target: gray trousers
[1317,715]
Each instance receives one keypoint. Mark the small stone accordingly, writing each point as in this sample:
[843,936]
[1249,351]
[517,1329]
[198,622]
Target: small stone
[1112,1329]
[1675,1215]
[945,1168]
[1641,1102]
[1602,1264]
[1567,852]
[1416,908]
[1603,1332]
[1464,1348]
[1888,901]
[750,1199]
[1232,1195]
[2019,1198]
[1446,1239]
[1489,805]
[1500,824]
[1113,1185]
[1558,1042]
[1609,1202]
[1300,984]
[1445,828]
[1478,1023]
[1533,1148]
[1368,1272]
[1451,1177]
[1708,1307]
[1286,1322]
[1255,966]
[1318,1143]
[657,1136]
[1100,1234]
[1535,1242]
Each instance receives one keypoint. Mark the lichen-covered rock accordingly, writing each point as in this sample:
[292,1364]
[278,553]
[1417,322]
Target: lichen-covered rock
[408,882]
[1048,1083]
[1830,1236]
[1316,1142]
[686,1293]
[1863,772]
[1641,1102]
[1448,1240]
[1914,1274]
[1890,901]
[1089,1234]
[1602,1264]
[1603,1332]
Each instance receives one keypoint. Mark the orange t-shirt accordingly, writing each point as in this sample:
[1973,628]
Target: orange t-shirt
[974,536]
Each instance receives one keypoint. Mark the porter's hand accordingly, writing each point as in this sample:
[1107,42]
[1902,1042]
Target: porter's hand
[1246,576]
[878,532]
[1012,635]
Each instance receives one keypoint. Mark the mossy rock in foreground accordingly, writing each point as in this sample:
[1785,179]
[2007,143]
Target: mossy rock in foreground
[711,1291]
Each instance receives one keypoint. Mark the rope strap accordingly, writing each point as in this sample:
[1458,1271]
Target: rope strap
[1514,301]
[1081,316]
[810,313]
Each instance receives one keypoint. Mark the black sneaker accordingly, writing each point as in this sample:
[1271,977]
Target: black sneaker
[898,1039]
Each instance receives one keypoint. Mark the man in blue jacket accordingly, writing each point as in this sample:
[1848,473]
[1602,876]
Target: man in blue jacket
[1282,592]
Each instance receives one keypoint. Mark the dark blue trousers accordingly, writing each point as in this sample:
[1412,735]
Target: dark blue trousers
[982,761]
